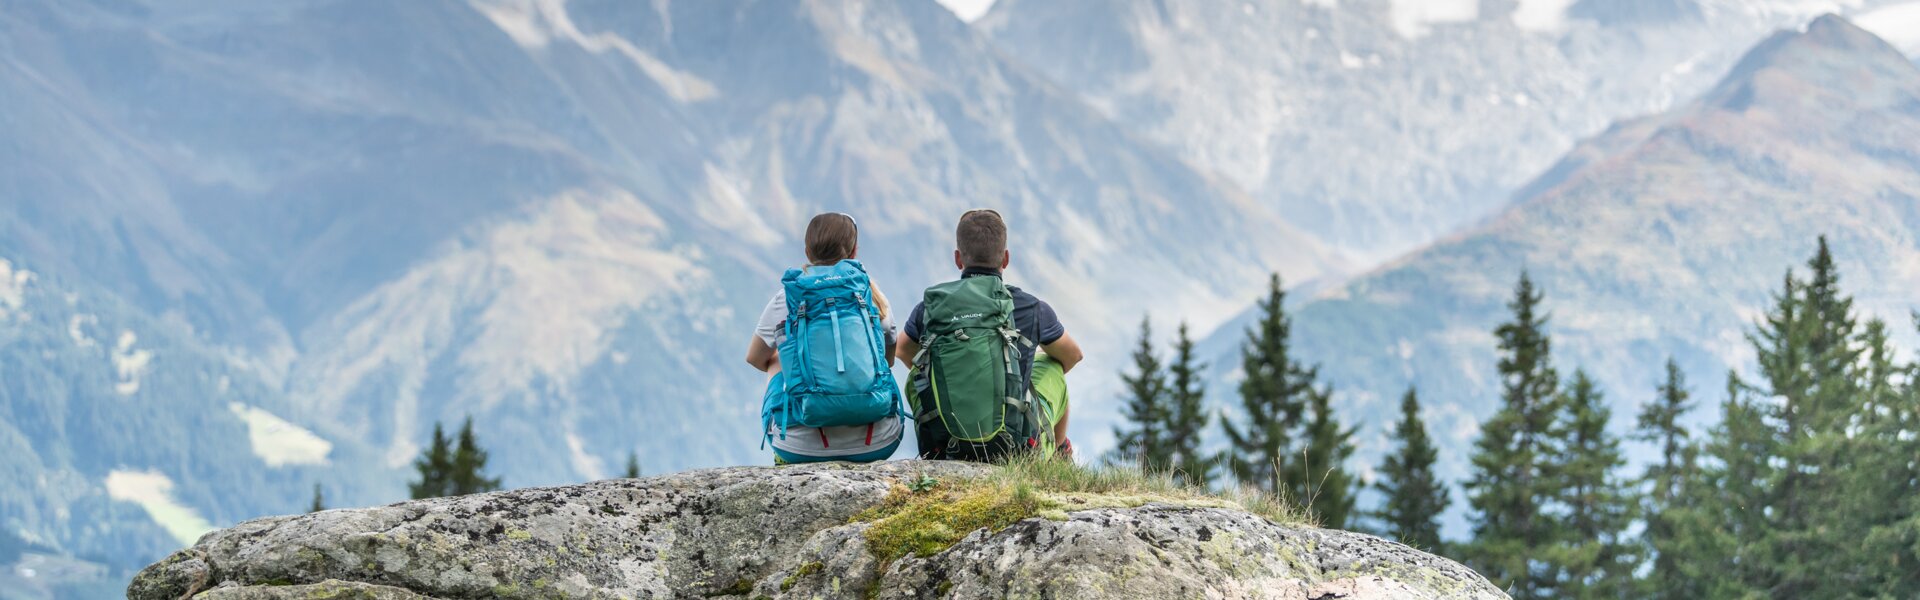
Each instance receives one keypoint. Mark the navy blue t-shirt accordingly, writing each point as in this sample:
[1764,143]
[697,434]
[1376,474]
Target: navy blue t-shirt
[1032,316]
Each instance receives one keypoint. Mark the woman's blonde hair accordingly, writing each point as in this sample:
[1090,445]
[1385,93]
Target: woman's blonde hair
[833,237]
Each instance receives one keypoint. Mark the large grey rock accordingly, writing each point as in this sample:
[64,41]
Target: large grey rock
[778,533]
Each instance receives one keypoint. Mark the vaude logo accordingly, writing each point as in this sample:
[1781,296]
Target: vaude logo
[966,317]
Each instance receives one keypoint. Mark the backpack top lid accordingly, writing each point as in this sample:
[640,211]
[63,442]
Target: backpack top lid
[970,302]
[825,281]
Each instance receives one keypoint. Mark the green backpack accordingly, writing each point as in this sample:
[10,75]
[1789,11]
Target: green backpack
[973,399]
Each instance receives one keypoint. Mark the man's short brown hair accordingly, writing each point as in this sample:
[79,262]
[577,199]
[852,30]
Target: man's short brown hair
[982,238]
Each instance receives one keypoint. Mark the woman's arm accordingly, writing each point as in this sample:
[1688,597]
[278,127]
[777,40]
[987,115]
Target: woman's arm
[762,356]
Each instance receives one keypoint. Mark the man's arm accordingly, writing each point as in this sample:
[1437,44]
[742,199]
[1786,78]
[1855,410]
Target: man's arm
[1065,351]
[905,348]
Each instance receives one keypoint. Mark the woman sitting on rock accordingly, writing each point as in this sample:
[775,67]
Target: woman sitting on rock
[826,340]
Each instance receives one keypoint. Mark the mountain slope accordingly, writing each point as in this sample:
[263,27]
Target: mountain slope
[122,437]
[1661,237]
[1381,124]
[558,217]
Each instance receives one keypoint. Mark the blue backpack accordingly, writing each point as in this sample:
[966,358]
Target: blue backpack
[834,356]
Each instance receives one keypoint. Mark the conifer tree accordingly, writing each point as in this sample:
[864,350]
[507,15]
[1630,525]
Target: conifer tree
[469,466]
[1414,495]
[1808,358]
[319,502]
[1720,518]
[633,465]
[1889,470]
[1793,482]
[1593,560]
[435,468]
[1272,398]
[1142,435]
[1187,415]
[1510,483]
[1317,472]
[1664,481]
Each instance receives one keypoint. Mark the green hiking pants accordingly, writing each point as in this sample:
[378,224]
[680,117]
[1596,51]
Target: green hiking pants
[1050,384]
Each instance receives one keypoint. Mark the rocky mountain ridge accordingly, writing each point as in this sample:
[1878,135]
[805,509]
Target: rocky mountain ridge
[785,532]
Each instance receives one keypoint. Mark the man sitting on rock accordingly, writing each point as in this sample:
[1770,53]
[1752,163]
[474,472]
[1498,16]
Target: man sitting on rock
[989,359]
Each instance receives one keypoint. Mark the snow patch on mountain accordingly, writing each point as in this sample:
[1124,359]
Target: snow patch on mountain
[968,10]
[279,442]
[1414,19]
[77,326]
[585,464]
[1542,16]
[153,491]
[534,24]
[129,364]
[13,287]
[1779,10]
[727,208]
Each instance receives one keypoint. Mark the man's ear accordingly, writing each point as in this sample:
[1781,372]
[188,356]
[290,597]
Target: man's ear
[855,252]
[1006,258]
[957,263]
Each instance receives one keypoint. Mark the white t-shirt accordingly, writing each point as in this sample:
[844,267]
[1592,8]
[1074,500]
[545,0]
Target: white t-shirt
[827,441]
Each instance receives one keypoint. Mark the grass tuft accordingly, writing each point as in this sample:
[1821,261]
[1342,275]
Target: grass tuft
[930,516]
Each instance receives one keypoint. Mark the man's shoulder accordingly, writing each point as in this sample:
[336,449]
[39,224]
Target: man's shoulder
[1023,298]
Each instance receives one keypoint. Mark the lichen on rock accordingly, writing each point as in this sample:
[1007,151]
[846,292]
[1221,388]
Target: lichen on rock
[810,531]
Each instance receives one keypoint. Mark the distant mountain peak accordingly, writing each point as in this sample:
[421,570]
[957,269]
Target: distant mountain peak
[1830,60]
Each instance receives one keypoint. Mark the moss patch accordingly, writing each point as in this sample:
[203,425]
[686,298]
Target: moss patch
[804,571]
[925,518]
[925,523]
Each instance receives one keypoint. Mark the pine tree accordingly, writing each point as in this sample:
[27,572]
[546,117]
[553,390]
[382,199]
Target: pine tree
[1720,516]
[1272,397]
[1187,416]
[1142,436]
[1317,472]
[633,465]
[1510,486]
[1889,471]
[1808,356]
[435,467]
[1884,474]
[1593,560]
[1663,482]
[468,475]
[1795,492]
[319,502]
[1414,495]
